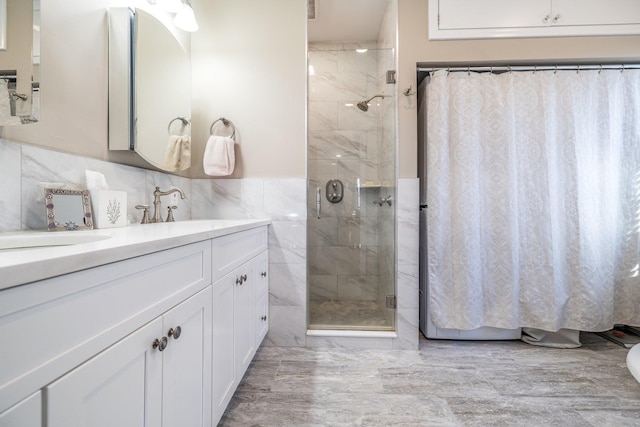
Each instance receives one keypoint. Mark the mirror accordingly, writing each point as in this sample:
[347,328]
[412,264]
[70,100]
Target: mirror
[149,90]
[19,62]
[68,210]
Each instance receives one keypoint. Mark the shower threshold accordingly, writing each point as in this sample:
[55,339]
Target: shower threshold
[349,315]
[350,333]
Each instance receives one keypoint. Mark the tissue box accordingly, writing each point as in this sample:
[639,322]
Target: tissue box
[109,208]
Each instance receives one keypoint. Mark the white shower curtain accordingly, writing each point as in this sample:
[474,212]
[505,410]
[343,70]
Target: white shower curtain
[534,199]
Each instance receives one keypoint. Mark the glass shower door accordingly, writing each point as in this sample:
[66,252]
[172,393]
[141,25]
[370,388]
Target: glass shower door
[351,194]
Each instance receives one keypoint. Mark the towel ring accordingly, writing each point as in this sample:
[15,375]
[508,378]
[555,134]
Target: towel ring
[185,122]
[225,122]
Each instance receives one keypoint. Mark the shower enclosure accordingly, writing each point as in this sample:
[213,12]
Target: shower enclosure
[351,193]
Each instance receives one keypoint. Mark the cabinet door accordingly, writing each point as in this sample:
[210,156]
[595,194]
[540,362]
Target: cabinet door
[243,308]
[260,270]
[470,14]
[186,363]
[122,386]
[223,345]
[262,318]
[596,12]
[27,413]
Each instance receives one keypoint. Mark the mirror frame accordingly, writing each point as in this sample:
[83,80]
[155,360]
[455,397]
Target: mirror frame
[3,24]
[52,225]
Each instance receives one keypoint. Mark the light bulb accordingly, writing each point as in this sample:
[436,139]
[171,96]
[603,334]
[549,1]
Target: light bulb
[186,19]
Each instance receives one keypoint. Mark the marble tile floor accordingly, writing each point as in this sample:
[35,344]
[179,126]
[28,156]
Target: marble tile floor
[444,383]
[349,314]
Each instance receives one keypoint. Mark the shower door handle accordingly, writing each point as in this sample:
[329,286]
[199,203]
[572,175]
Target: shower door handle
[318,202]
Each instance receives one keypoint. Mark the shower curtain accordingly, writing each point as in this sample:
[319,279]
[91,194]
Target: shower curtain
[534,199]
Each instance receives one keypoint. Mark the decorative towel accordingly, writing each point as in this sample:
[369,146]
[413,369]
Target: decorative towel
[177,156]
[5,106]
[219,158]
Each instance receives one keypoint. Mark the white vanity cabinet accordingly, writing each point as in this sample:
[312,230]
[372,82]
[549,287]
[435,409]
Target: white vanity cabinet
[238,261]
[146,339]
[153,377]
[469,19]
[84,338]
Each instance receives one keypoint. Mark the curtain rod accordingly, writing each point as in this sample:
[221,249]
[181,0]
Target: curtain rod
[507,68]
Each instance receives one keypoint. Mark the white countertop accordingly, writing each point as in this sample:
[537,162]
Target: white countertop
[30,264]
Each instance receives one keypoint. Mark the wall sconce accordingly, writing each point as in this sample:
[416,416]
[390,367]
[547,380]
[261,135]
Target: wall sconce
[185,19]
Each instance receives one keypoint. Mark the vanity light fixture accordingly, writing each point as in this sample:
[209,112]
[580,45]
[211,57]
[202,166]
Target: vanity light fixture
[185,19]
[171,6]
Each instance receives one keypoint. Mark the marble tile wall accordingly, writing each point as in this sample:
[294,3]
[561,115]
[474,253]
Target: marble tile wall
[24,167]
[282,200]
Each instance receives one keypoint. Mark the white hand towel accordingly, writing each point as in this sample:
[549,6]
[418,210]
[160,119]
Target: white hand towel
[177,156]
[219,157]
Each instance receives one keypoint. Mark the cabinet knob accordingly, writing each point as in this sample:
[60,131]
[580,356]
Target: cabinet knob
[239,281]
[556,18]
[263,274]
[546,19]
[264,318]
[244,278]
[175,332]
[160,344]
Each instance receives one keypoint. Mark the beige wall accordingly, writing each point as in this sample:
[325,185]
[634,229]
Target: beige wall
[19,35]
[249,61]
[249,65]
[415,47]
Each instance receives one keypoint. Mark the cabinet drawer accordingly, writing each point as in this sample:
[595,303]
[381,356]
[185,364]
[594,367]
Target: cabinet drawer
[232,250]
[27,413]
[54,325]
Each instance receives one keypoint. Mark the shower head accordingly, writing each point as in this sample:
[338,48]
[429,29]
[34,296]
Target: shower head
[364,105]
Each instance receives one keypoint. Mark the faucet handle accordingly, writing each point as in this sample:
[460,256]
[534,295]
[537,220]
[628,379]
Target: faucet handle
[145,213]
[170,213]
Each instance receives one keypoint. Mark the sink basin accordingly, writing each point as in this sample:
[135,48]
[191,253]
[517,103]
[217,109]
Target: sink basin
[34,240]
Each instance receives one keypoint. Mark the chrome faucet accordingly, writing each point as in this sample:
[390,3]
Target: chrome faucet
[156,203]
